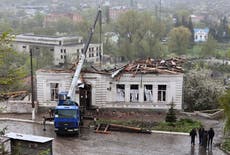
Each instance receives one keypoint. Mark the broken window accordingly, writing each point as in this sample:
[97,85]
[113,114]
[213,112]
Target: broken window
[120,92]
[161,93]
[134,93]
[54,91]
[148,93]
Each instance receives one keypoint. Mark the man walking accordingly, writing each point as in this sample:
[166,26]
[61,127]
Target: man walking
[211,134]
[193,135]
[201,135]
[205,139]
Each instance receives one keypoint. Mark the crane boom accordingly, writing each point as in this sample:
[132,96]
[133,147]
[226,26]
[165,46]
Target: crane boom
[83,56]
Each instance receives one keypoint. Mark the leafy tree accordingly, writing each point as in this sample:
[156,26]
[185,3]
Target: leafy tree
[209,47]
[184,21]
[179,39]
[106,13]
[64,25]
[224,100]
[191,28]
[181,17]
[11,71]
[220,31]
[201,92]
[5,26]
[139,35]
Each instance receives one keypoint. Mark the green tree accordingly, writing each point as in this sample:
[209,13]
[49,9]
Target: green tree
[224,101]
[64,25]
[209,47]
[179,40]
[5,26]
[201,92]
[139,35]
[106,14]
[11,71]
[191,28]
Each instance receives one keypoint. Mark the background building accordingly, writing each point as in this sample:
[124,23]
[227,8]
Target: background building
[201,35]
[64,49]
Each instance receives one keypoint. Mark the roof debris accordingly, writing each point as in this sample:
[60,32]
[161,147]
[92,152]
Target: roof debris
[14,95]
[152,66]
[144,66]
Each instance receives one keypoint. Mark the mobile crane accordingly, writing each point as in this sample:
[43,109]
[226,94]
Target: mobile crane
[67,115]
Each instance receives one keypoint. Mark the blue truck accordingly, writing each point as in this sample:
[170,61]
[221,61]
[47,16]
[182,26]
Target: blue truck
[67,115]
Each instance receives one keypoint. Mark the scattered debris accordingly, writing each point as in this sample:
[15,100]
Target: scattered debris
[103,128]
[145,66]
[14,95]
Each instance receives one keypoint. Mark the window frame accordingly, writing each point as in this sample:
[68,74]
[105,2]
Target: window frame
[161,93]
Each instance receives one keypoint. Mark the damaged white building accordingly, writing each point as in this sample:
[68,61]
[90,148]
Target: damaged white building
[147,84]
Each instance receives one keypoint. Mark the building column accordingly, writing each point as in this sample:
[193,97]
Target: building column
[141,93]
[127,92]
[155,93]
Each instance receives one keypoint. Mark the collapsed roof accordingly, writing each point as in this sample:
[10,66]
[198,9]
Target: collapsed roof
[145,66]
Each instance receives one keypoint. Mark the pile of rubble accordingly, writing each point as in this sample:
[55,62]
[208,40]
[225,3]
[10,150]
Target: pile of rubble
[152,66]
[172,66]
[145,66]
[19,95]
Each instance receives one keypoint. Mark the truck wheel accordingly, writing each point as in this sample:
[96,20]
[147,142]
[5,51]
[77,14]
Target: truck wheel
[78,133]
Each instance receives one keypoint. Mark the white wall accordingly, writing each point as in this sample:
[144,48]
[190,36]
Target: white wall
[43,85]
[104,88]
[103,96]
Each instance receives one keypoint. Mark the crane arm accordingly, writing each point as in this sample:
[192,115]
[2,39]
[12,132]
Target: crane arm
[83,56]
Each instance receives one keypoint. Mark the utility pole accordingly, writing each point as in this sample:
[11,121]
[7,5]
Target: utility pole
[100,25]
[32,84]
[160,12]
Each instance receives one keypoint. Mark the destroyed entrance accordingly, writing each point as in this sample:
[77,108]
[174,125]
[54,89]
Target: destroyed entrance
[85,96]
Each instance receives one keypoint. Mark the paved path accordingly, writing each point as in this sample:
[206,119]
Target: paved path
[117,143]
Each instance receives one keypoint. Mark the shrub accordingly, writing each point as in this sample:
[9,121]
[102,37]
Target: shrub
[171,114]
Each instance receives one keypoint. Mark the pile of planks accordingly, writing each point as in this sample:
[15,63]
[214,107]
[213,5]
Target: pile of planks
[107,128]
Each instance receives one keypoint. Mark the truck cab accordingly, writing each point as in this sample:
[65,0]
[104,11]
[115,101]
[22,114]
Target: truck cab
[66,116]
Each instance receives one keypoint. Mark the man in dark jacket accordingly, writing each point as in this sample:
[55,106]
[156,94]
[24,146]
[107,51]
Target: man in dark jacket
[205,139]
[193,135]
[211,134]
[201,135]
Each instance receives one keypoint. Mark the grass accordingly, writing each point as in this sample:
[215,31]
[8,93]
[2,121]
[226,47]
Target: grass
[183,125]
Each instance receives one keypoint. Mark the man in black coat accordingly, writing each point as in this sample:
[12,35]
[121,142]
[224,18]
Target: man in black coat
[193,135]
[211,134]
[201,135]
[205,139]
